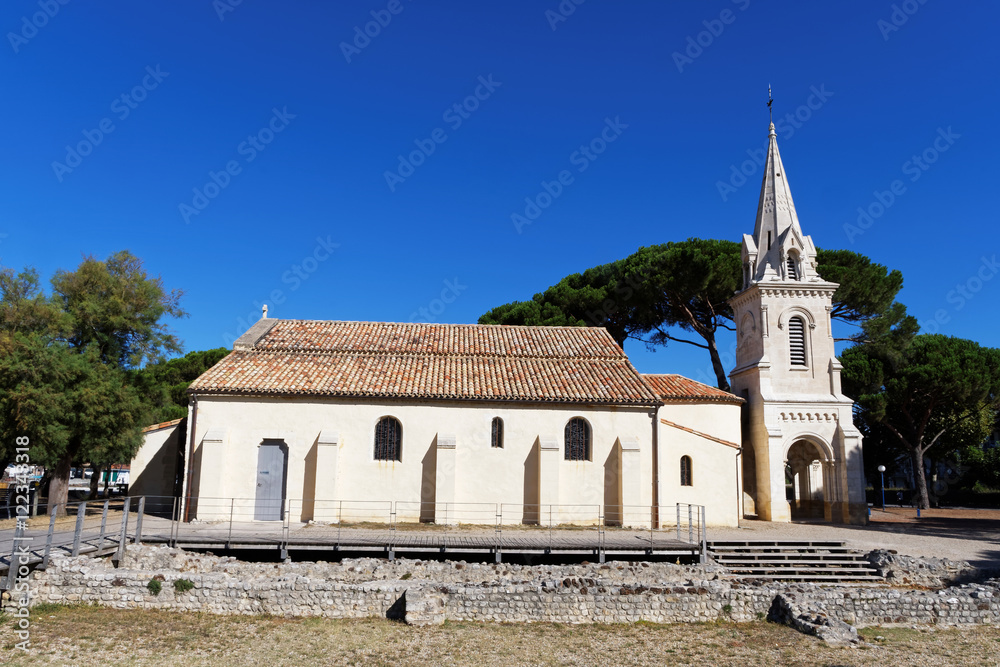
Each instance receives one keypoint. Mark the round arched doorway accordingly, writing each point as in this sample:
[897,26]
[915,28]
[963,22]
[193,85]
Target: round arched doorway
[804,480]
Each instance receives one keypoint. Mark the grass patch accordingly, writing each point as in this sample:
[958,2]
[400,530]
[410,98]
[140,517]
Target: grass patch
[183,585]
[154,586]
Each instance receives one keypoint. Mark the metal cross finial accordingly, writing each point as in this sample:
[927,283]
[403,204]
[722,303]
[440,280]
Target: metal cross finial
[770,101]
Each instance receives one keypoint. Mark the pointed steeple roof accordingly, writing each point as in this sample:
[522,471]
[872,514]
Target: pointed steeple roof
[776,232]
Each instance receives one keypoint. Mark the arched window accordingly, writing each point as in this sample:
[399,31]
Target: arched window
[496,433]
[797,341]
[792,266]
[577,440]
[388,440]
[686,478]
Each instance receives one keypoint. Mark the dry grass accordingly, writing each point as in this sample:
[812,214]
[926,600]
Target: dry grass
[98,636]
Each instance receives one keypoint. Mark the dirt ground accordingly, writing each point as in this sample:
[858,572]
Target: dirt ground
[99,636]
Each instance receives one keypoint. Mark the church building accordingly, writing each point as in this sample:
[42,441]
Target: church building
[534,424]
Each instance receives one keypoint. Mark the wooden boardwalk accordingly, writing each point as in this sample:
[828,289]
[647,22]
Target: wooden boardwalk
[99,530]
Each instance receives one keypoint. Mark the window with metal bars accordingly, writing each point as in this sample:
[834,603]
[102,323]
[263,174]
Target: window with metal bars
[577,440]
[496,434]
[793,268]
[686,478]
[797,341]
[388,440]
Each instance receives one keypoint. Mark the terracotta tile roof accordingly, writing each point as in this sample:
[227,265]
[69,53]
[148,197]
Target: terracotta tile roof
[430,361]
[157,427]
[679,388]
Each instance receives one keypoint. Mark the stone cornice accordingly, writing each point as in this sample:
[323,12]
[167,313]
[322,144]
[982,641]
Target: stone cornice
[784,289]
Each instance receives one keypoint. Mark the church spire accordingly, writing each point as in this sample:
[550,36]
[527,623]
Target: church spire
[777,234]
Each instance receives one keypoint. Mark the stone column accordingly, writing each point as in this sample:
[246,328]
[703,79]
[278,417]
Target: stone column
[630,484]
[325,507]
[548,478]
[776,507]
[444,484]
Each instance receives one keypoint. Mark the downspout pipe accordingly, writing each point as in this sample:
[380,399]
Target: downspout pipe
[189,460]
[656,467]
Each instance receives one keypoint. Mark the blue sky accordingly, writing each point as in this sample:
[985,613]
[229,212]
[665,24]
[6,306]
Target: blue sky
[247,161]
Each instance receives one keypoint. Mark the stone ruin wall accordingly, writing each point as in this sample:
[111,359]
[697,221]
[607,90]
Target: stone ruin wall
[429,592]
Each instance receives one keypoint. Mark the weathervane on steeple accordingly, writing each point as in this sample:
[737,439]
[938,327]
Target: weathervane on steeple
[770,101]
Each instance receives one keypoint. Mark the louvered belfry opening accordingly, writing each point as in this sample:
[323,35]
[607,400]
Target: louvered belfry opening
[388,439]
[577,440]
[793,269]
[797,341]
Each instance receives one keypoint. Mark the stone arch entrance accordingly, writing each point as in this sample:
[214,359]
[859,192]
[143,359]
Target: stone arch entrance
[809,487]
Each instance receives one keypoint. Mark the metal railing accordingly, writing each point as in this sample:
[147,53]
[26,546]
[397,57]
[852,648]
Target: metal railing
[99,527]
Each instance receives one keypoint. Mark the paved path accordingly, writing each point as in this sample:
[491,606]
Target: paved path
[972,535]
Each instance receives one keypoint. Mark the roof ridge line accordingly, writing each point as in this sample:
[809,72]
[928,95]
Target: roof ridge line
[380,353]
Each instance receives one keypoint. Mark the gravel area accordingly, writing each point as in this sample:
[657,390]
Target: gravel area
[971,535]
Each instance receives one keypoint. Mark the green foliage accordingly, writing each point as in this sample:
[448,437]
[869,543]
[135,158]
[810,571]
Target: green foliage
[935,392]
[183,585]
[154,586]
[63,360]
[164,384]
[600,296]
[679,292]
[983,467]
[71,405]
[866,289]
[115,307]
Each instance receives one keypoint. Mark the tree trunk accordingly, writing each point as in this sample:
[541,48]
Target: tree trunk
[720,370]
[924,501]
[59,486]
[95,483]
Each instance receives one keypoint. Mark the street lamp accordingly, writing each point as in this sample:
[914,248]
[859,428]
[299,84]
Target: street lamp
[881,472]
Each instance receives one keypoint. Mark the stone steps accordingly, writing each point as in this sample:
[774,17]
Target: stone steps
[804,560]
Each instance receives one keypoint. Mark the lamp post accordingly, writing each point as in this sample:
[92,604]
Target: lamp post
[881,472]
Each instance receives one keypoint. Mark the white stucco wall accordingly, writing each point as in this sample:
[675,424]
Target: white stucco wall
[714,465]
[152,470]
[480,476]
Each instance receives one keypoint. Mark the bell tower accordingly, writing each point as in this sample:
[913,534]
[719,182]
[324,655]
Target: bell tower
[799,425]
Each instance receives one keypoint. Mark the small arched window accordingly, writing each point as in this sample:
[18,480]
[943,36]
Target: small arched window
[792,266]
[577,440]
[686,478]
[388,440]
[797,341]
[496,433]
